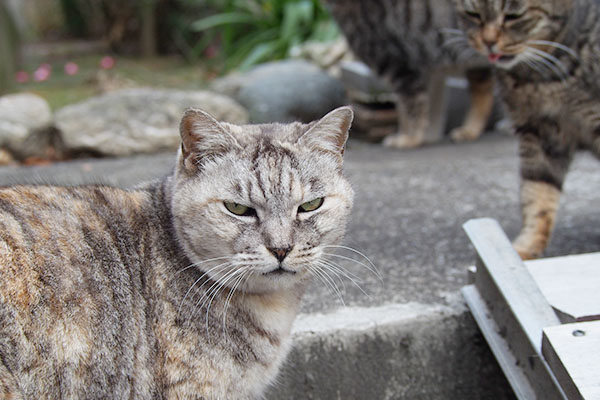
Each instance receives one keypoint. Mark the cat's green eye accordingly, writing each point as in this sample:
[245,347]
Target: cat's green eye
[311,205]
[473,14]
[239,209]
[513,17]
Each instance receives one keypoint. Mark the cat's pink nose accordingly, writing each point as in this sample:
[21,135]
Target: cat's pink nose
[280,254]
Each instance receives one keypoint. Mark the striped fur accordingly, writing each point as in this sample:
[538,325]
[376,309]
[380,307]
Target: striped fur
[161,292]
[407,42]
[548,58]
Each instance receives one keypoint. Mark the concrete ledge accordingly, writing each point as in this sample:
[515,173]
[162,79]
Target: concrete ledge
[395,351]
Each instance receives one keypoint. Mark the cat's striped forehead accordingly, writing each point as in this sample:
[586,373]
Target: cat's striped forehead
[261,135]
[273,172]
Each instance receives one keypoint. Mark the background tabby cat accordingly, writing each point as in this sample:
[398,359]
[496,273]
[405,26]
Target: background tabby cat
[407,42]
[548,59]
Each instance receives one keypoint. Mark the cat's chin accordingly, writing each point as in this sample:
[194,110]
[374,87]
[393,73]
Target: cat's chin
[274,281]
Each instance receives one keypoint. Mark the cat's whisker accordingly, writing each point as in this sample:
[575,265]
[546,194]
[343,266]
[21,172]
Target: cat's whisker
[372,267]
[202,276]
[244,276]
[341,272]
[317,272]
[197,264]
[323,269]
[537,66]
[332,275]
[534,66]
[560,46]
[346,273]
[214,288]
[369,268]
[549,67]
[540,63]
[552,62]
[223,283]
[545,67]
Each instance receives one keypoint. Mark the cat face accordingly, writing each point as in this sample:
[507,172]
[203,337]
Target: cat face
[508,32]
[255,206]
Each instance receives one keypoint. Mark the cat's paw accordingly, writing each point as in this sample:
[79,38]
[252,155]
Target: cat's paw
[464,134]
[526,252]
[400,141]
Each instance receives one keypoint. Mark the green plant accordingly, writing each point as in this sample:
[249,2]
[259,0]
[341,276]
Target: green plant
[9,48]
[248,32]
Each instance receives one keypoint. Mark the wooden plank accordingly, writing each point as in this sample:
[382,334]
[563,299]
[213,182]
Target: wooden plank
[515,302]
[510,275]
[570,284]
[507,361]
[573,353]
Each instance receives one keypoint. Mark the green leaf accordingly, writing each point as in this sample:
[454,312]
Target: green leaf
[240,49]
[296,15]
[252,31]
[223,19]
[260,53]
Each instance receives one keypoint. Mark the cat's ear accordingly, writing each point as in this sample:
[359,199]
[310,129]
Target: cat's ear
[330,132]
[202,137]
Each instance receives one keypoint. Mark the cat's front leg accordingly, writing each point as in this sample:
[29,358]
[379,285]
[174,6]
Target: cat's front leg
[413,120]
[481,92]
[539,204]
[545,154]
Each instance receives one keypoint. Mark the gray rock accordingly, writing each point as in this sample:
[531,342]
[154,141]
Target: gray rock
[135,121]
[284,91]
[327,55]
[25,120]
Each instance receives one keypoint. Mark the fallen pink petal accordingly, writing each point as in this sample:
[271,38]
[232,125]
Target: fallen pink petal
[42,73]
[22,76]
[71,68]
[107,62]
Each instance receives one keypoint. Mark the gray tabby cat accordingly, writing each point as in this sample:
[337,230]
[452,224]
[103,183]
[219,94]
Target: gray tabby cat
[548,56]
[407,42]
[183,289]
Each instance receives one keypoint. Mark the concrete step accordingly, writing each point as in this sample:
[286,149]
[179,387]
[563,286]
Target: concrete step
[393,351]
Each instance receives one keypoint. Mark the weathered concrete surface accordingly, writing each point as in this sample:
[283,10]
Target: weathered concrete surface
[396,351]
[407,218]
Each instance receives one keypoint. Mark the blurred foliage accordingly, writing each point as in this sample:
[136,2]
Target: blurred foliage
[229,33]
[121,23]
[117,21]
[247,32]
[9,48]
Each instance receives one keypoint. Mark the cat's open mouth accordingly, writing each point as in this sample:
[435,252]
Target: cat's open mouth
[496,57]
[280,271]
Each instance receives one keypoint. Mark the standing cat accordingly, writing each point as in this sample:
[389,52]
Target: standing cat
[183,289]
[407,42]
[548,58]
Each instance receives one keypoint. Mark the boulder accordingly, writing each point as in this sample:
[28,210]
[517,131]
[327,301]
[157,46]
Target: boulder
[25,122]
[135,121]
[284,91]
[327,55]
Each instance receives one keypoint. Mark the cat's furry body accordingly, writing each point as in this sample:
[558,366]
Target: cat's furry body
[111,293]
[408,42]
[548,54]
